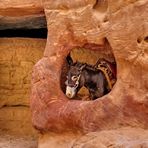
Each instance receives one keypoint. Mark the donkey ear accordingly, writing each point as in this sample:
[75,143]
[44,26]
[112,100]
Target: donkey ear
[69,60]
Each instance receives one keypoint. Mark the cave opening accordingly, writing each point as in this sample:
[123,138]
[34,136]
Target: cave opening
[88,54]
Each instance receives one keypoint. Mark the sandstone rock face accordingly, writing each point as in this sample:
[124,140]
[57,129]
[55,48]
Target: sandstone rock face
[73,24]
[17,57]
[15,14]
[20,8]
[23,22]
[16,121]
[26,14]
[77,24]
[124,137]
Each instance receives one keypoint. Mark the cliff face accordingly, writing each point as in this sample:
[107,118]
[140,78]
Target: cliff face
[17,57]
[72,24]
[26,14]
[20,8]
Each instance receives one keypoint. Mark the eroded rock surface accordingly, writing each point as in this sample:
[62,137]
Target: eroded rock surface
[75,24]
[23,22]
[20,8]
[17,57]
[123,137]
[26,14]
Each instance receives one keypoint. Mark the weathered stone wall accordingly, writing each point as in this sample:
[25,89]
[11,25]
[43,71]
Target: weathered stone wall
[20,8]
[26,14]
[17,57]
[72,24]
[118,138]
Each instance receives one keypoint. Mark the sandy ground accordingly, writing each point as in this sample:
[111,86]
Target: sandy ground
[8,141]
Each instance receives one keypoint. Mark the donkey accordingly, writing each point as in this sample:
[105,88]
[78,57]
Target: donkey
[82,74]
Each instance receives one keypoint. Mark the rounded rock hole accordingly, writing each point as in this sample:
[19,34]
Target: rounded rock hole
[89,72]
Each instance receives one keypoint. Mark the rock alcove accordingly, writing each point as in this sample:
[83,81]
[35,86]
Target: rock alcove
[90,54]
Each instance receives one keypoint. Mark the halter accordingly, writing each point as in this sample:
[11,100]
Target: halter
[72,90]
[103,66]
[77,81]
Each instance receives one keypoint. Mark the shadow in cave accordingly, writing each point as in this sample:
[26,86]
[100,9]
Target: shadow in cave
[25,33]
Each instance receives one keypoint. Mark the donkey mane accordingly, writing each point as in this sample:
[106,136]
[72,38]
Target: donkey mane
[87,66]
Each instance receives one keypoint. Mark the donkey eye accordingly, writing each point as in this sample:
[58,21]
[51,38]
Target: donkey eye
[74,78]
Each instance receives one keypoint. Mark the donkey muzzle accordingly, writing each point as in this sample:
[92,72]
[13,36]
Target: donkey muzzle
[71,91]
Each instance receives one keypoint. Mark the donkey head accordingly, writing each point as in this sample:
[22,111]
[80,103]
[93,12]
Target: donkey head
[73,82]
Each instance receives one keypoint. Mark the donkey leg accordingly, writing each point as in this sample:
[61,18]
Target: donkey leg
[94,94]
[100,86]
